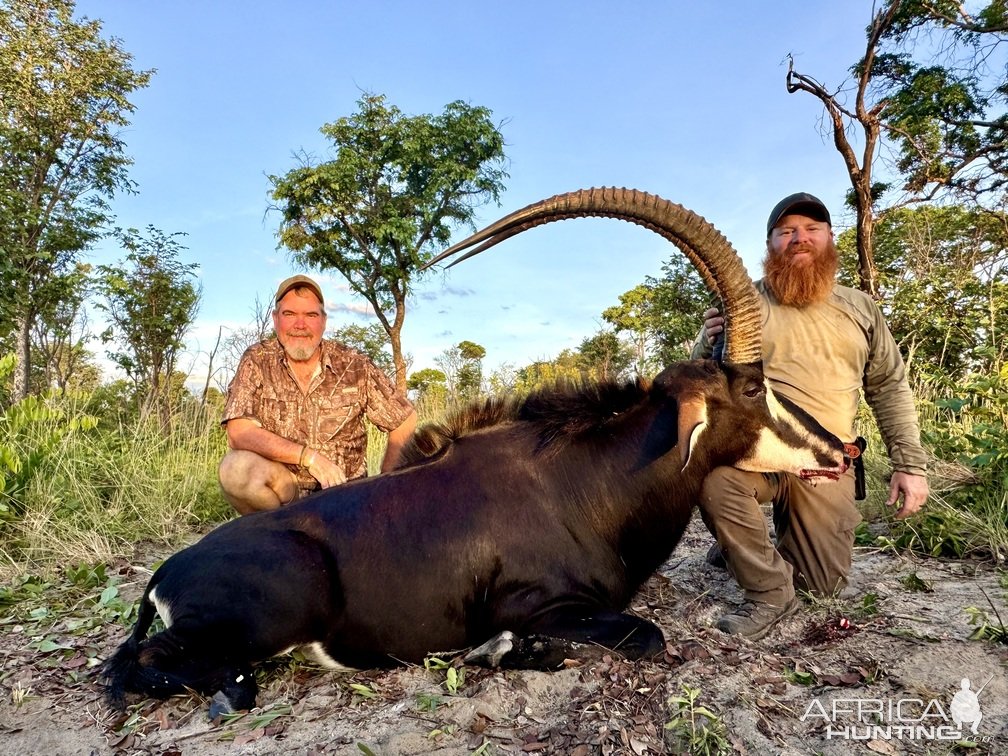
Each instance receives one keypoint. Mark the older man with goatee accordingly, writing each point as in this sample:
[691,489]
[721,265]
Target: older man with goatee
[296,407]
[823,344]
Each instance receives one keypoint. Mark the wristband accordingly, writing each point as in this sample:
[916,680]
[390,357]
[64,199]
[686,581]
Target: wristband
[304,448]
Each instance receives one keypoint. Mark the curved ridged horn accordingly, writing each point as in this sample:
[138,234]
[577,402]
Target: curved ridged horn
[713,256]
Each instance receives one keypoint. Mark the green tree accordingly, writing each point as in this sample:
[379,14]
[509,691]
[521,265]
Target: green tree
[389,199]
[567,366]
[63,94]
[679,298]
[429,384]
[944,82]
[943,279]
[635,315]
[372,340]
[60,335]
[662,315]
[151,302]
[605,356]
[463,368]
[932,83]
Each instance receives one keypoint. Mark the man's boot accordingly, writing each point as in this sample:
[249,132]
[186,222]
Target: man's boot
[754,619]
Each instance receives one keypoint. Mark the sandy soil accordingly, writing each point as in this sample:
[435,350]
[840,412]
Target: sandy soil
[889,646]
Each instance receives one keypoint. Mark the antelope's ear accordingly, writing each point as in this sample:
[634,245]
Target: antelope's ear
[692,422]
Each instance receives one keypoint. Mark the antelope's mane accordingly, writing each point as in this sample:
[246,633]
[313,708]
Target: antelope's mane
[558,414]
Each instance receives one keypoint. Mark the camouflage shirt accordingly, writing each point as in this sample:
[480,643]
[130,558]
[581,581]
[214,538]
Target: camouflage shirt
[330,416]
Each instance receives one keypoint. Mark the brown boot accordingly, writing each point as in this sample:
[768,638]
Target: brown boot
[754,619]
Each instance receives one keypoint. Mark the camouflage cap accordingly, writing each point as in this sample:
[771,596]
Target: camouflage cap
[299,280]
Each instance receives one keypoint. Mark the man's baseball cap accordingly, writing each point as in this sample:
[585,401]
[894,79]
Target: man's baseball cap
[801,203]
[293,282]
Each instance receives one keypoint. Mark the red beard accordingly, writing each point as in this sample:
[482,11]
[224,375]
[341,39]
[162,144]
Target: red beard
[801,283]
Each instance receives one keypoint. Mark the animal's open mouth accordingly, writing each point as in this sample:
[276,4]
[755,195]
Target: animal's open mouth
[832,473]
[809,474]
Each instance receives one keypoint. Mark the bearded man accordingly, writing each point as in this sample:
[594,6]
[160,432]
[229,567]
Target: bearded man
[295,409]
[822,345]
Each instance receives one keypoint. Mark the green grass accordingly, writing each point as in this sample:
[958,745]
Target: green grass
[427,410]
[966,514]
[100,492]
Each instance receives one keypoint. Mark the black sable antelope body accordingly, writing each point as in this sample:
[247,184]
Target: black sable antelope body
[523,526]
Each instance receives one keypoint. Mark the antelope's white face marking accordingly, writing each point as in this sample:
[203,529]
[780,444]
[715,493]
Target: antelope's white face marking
[162,608]
[771,452]
[779,413]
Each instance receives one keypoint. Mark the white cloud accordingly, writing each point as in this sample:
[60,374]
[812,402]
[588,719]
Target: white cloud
[363,310]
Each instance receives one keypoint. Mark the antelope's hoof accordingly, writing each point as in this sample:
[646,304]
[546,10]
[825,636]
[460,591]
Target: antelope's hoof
[220,705]
[490,653]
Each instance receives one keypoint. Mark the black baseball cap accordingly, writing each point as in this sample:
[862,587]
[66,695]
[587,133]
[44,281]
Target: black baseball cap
[801,203]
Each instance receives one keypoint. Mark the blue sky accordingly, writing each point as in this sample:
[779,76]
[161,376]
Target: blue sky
[681,99]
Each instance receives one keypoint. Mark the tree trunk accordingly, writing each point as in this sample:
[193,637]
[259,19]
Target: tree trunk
[395,336]
[867,274]
[397,359]
[22,370]
[394,331]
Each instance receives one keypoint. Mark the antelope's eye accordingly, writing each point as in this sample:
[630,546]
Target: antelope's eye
[753,391]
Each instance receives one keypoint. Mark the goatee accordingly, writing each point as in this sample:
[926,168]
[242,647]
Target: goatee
[299,353]
[801,283]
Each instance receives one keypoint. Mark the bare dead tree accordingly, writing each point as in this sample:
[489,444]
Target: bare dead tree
[859,167]
[240,339]
[931,90]
[210,367]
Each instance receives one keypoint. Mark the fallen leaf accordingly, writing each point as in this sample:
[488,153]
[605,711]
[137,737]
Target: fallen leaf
[250,736]
[125,742]
[638,746]
[692,650]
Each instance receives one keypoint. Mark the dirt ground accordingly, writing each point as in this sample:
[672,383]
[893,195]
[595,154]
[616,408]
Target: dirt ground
[896,648]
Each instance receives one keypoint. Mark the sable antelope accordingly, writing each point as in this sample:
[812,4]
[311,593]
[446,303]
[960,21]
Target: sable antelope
[525,525]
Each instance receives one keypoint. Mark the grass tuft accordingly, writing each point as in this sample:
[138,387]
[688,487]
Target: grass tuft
[98,494]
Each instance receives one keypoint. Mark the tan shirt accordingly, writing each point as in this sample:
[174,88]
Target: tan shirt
[821,357]
[330,415]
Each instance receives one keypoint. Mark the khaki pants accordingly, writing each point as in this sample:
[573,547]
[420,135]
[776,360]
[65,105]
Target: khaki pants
[814,525]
